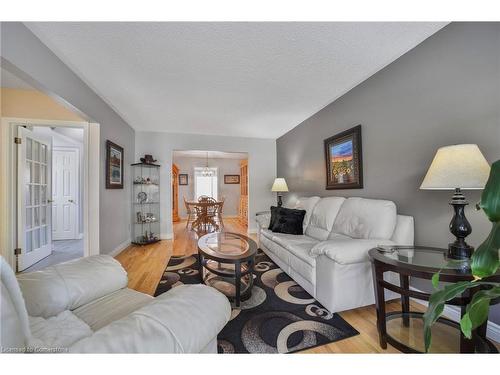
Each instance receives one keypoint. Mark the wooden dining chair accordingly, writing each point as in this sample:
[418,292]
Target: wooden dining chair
[191,211]
[218,214]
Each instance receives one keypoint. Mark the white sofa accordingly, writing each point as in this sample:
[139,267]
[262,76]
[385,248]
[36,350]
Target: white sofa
[330,260]
[84,306]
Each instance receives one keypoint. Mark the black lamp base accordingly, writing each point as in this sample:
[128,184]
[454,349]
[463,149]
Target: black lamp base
[280,201]
[457,250]
[460,228]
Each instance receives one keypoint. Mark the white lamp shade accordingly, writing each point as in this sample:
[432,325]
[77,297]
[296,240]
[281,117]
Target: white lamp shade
[279,185]
[457,166]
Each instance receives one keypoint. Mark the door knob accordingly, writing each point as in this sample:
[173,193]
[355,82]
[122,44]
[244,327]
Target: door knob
[71,201]
[50,201]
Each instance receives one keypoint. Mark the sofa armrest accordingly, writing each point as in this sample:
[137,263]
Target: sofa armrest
[404,231]
[183,320]
[69,285]
[263,219]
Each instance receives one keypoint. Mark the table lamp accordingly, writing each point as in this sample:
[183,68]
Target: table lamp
[458,167]
[279,187]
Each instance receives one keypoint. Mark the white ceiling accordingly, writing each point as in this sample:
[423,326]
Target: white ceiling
[11,81]
[249,79]
[211,154]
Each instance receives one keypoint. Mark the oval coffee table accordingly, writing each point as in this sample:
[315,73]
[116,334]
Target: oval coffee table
[226,263]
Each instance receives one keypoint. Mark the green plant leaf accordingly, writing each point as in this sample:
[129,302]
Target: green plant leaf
[478,308]
[490,198]
[435,280]
[485,261]
[436,306]
[466,325]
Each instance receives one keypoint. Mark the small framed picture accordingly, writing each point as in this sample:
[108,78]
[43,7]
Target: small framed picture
[231,178]
[183,179]
[344,163]
[114,166]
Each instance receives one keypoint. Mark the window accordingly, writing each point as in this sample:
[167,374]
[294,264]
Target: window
[205,185]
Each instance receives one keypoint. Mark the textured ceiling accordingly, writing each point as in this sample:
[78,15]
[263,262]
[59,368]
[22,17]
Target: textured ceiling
[234,79]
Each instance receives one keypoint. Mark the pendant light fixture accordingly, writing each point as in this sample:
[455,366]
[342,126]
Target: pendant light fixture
[207,172]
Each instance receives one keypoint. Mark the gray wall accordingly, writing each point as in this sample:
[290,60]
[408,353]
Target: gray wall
[444,91]
[23,52]
[231,192]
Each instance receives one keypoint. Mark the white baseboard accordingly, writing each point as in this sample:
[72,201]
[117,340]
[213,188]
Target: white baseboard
[117,250]
[453,313]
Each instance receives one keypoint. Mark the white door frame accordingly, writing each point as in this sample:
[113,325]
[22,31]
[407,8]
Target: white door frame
[78,203]
[8,183]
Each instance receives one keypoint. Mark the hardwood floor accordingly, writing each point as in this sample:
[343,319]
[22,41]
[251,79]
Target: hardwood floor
[145,265]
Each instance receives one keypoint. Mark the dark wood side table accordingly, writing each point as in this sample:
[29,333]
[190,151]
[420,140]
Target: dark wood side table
[406,328]
[230,257]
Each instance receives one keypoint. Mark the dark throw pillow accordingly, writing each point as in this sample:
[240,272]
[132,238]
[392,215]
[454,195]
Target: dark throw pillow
[274,215]
[288,221]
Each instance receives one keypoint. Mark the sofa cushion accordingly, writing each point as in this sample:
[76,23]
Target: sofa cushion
[366,218]
[114,306]
[300,246]
[288,221]
[66,286]
[59,331]
[295,256]
[307,204]
[347,250]
[323,217]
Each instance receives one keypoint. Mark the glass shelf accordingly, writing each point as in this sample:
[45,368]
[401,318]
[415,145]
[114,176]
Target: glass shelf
[145,185]
[445,334]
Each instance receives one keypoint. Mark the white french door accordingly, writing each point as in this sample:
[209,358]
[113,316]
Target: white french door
[64,193]
[33,204]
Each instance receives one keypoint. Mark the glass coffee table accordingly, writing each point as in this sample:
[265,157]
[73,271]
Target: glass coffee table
[404,329]
[226,262]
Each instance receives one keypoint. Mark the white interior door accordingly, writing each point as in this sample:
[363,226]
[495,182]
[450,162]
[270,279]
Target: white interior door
[64,193]
[33,205]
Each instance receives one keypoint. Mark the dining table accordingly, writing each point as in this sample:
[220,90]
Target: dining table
[206,212]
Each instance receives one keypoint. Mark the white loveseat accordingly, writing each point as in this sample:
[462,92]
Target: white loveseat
[330,260]
[84,306]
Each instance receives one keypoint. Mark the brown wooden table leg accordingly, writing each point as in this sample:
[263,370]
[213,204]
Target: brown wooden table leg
[404,281]
[380,304]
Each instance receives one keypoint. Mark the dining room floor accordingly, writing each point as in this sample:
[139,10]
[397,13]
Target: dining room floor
[185,239]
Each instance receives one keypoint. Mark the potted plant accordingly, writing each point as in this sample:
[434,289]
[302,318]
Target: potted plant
[484,263]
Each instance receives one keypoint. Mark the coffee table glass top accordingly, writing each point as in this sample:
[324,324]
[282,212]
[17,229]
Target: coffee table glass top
[227,245]
[421,257]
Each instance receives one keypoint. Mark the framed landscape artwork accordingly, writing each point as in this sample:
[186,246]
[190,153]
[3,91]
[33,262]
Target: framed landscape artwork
[183,179]
[231,178]
[114,166]
[344,165]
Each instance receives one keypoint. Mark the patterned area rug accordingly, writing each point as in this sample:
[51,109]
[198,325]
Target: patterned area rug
[279,317]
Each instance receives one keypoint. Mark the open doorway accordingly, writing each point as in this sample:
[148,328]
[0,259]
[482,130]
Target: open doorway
[54,195]
[209,194]
[50,183]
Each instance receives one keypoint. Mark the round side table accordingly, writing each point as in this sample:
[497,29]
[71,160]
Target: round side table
[230,257]
[404,329]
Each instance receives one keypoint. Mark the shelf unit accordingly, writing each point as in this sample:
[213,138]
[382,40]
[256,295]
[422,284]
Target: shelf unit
[243,206]
[145,203]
